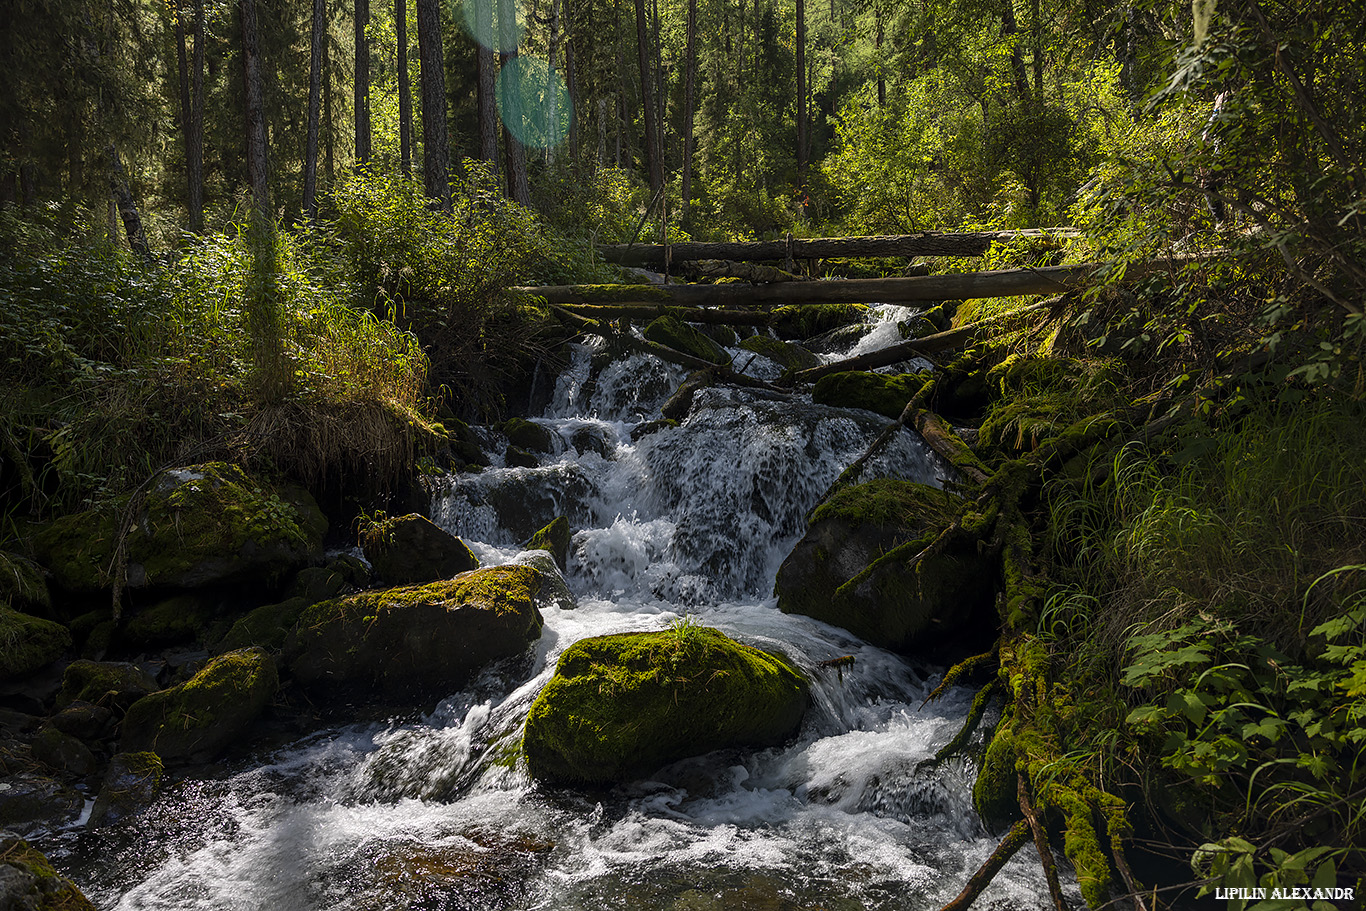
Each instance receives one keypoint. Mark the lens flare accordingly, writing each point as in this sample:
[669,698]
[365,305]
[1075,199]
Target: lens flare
[479,18]
[533,102]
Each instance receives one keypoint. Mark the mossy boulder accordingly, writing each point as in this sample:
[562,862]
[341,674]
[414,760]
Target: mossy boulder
[554,538]
[672,332]
[35,803]
[170,621]
[318,583]
[853,569]
[28,643]
[130,784]
[410,549]
[62,752]
[621,706]
[528,435]
[785,354]
[113,684]
[421,640]
[28,882]
[554,590]
[802,322]
[885,393]
[267,626]
[199,525]
[23,585]
[206,714]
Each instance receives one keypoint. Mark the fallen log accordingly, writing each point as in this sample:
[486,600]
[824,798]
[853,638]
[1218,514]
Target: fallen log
[1013,841]
[686,314]
[964,286]
[967,244]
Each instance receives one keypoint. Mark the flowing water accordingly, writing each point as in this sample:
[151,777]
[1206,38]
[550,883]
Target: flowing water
[433,812]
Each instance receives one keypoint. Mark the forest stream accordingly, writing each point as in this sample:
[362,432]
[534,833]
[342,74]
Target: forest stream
[686,525]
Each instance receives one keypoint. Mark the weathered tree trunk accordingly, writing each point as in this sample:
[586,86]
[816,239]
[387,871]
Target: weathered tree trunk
[315,79]
[194,138]
[801,103]
[486,70]
[571,89]
[329,135]
[518,188]
[1010,30]
[362,84]
[405,95]
[128,209]
[255,109]
[689,103]
[881,70]
[436,154]
[972,244]
[552,98]
[654,162]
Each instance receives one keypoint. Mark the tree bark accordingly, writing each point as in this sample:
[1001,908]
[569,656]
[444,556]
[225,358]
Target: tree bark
[128,209]
[1010,30]
[518,188]
[484,90]
[881,77]
[654,163]
[362,85]
[436,155]
[571,89]
[1014,840]
[255,109]
[971,244]
[315,79]
[405,94]
[194,138]
[801,104]
[689,103]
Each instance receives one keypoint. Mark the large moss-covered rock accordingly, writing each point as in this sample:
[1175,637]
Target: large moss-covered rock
[267,626]
[678,335]
[786,354]
[853,569]
[171,621]
[199,525]
[409,549]
[201,717]
[28,882]
[113,684]
[528,435]
[421,640]
[23,585]
[803,322]
[881,392]
[29,643]
[621,706]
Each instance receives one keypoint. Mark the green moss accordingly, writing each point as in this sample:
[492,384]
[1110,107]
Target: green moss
[174,620]
[803,322]
[46,889]
[884,393]
[29,643]
[889,502]
[786,354]
[624,294]
[79,548]
[528,435]
[554,538]
[673,333]
[207,713]
[621,706]
[266,626]
[22,585]
[995,791]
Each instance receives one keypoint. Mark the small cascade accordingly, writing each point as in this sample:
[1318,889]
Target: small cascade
[684,521]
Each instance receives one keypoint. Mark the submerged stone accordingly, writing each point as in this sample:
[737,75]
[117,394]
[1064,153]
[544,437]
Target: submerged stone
[420,640]
[203,716]
[412,549]
[621,706]
[200,525]
[853,569]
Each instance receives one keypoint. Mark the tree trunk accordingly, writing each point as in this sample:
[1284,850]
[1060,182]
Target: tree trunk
[881,76]
[571,89]
[194,139]
[362,103]
[653,162]
[801,103]
[487,72]
[128,209]
[255,109]
[329,136]
[552,98]
[315,79]
[405,95]
[183,81]
[518,188]
[436,155]
[1010,30]
[689,102]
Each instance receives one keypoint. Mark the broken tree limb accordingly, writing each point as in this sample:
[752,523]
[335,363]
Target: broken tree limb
[1014,840]
[1050,867]
[960,740]
[969,244]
